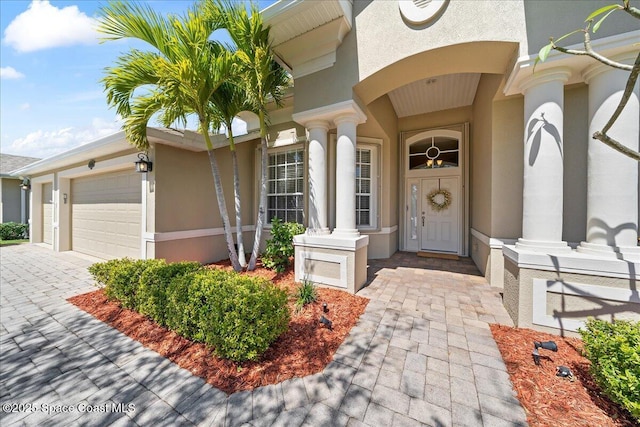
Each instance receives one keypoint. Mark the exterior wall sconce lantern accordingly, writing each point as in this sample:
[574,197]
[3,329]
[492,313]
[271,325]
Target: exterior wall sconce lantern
[143,165]
[91,164]
[26,184]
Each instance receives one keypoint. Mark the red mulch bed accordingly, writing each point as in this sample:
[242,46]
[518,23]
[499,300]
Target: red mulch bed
[550,400]
[306,348]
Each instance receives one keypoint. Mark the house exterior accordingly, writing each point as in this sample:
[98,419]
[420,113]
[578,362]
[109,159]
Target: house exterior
[413,126]
[14,202]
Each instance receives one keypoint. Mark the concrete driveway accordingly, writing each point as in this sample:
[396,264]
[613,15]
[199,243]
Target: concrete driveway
[422,354]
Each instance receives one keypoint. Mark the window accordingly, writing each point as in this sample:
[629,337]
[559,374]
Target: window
[434,152]
[365,187]
[285,186]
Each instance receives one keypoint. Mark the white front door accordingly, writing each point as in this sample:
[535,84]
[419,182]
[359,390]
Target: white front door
[440,228]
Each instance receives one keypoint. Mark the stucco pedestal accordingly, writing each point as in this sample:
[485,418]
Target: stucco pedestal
[558,292]
[331,260]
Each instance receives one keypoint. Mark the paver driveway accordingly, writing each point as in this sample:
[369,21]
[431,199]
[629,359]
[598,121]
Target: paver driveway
[422,354]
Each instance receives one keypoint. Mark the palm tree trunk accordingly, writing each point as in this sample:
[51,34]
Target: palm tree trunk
[233,256]
[263,203]
[236,190]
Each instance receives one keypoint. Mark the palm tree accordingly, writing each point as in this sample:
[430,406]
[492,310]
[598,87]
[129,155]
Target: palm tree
[228,101]
[263,78]
[175,80]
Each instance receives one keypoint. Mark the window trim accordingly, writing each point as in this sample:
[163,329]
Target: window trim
[275,150]
[375,174]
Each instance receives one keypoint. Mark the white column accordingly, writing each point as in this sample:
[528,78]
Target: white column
[612,178]
[346,175]
[318,177]
[543,162]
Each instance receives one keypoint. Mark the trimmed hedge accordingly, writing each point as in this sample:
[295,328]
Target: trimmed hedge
[14,231]
[614,352]
[238,315]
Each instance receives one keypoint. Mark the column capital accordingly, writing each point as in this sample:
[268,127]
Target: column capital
[347,118]
[317,124]
[329,112]
[560,74]
[598,68]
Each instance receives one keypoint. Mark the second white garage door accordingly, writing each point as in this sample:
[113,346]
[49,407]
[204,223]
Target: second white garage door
[106,215]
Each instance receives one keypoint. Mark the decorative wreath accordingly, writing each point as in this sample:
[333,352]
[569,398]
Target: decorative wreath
[439,199]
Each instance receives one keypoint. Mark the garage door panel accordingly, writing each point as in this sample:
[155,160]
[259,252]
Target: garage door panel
[106,213]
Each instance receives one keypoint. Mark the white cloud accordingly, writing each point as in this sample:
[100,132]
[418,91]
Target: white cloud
[10,73]
[49,143]
[25,106]
[44,26]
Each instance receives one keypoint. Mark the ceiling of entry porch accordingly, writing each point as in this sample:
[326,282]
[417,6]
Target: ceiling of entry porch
[435,94]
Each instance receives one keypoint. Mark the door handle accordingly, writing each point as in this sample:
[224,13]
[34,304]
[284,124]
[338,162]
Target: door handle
[423,221]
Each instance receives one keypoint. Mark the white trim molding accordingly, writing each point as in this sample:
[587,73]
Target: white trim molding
[572,262]
[341,282]
[168,236]
[542,287]
[492,242]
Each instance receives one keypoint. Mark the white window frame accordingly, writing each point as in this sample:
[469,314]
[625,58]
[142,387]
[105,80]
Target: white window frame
[284,149]
[373,202]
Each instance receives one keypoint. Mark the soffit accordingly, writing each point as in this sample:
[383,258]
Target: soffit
[435,94]
[290,19]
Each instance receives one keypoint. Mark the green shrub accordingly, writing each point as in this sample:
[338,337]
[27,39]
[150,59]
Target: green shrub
[280,247]
[121,278]
[14,231]
[155,279]
[305,293]
[239,316]
[614,352]
[188,301]
[246,315]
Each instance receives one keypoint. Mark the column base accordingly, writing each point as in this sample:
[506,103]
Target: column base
[335,261]
[345,232]
[543,246]
[625,253]
[318,231]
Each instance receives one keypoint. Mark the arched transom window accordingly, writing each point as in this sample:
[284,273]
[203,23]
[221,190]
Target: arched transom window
[434,152]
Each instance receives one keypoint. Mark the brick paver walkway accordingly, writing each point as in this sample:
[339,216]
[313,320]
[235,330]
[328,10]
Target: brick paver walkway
[422,354]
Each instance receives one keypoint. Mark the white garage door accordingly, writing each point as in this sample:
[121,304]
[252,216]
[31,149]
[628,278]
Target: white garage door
[105,215]
[47,213]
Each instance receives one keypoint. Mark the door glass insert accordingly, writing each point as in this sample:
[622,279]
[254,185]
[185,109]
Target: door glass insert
[434,152]
[413,232]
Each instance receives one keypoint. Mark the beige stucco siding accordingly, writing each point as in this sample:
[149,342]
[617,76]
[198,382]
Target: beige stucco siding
[481,147]
[47,213]
[546,18]
[106,215]
[185,197]
[382,45]
[507,168]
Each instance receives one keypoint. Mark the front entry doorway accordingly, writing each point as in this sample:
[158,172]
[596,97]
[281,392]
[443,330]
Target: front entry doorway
[439,222]
[434,193]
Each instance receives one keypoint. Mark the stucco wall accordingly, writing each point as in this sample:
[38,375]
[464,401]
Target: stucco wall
[546,18]
[481,148]
[185,197]
[507,168]
[381,111]
[462,21]
[520,303]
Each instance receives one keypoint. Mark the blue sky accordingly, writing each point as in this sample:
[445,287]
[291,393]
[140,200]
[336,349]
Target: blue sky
[51,63]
